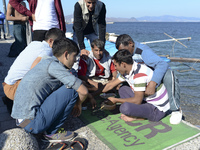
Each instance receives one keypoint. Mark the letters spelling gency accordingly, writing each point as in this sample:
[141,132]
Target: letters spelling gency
[127,136]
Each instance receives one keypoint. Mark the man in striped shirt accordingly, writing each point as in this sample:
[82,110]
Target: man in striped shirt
[135,104]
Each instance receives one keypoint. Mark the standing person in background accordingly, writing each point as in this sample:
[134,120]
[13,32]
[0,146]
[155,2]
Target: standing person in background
[19,30]
[52,13]
[2,17]
[23,10]
[50,17]
[143,54]
[90,22]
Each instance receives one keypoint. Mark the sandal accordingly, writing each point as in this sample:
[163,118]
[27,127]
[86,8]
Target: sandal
[77,144]
[59,146]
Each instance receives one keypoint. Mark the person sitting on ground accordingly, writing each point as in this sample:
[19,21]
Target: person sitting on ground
[98,67]
[28,58]
[135,104]
[49,92]
[143,54]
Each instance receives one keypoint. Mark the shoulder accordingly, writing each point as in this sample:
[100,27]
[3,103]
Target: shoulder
[77,7]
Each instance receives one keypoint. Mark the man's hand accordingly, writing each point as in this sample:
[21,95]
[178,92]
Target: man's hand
[85,52]
[77,110]
[33,17]
[25,18]
[92,101]
[151,88]
[113,99]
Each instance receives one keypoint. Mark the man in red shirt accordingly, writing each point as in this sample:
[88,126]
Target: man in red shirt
[98,67]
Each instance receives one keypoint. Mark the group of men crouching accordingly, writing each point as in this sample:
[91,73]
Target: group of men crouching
[46,89]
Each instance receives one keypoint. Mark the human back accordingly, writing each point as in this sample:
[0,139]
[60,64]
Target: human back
[45,14]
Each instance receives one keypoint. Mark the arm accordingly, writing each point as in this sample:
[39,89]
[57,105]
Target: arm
[78,19]
[20,8]
[102,23]
[60,15]
[82,92]
[18,17]
[87,80]
[137,99]
[36,61]
[110,85]
[160,66]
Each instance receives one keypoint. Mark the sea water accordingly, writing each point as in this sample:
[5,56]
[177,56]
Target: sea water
[188,73]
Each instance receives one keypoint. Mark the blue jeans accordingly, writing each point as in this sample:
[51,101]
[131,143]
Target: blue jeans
[171,83]
[90,37]
[19,32]
[53,112]
[2,30]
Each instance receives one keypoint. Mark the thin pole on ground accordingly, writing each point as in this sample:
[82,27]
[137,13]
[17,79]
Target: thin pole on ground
[7,26]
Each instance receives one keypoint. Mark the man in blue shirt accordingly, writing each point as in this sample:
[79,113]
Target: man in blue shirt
[2,17]
[47,93]
[143,54]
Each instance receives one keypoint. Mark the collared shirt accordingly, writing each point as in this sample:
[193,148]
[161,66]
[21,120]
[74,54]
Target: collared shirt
[138,78]
[23,62]
[47,76]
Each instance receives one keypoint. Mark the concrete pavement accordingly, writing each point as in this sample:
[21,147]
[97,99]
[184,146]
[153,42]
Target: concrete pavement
[6,122]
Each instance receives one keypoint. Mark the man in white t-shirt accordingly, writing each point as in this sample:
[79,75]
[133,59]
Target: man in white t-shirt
[135,104]
[27,59]
[48,14]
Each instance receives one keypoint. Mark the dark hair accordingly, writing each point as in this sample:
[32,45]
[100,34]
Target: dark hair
[54,33]
[123,39]
[60,46]
[123,56]
[98,43]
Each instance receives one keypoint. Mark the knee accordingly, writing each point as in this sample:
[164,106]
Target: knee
[124,108]
[168,75]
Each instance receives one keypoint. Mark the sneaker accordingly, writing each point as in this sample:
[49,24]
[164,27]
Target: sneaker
[61,136]
[176,117]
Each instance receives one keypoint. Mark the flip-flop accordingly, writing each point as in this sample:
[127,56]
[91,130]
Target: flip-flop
[77,144]
[59,146]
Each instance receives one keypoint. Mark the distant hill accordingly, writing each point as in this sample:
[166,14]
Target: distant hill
[113,19]
[165,18]
[168,18]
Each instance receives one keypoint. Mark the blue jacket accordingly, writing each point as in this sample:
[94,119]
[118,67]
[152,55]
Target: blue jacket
[47,76]
[144,54]
[2,17]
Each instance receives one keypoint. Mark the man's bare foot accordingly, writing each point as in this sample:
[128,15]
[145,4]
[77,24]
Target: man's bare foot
[129,119]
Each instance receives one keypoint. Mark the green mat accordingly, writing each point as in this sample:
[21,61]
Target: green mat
[137,135]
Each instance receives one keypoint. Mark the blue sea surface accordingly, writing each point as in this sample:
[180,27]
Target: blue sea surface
[188,73]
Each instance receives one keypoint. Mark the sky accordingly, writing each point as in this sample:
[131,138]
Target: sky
[140,8]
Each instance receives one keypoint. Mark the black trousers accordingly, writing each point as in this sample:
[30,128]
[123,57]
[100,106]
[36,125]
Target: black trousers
[39,35]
